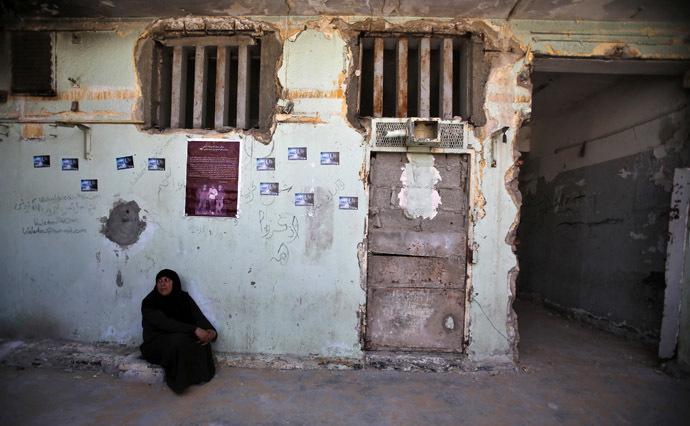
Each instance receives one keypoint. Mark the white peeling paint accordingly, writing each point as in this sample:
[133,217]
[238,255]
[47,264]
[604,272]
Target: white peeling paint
[418,196]
[660,152]
[636,236]
[624,173]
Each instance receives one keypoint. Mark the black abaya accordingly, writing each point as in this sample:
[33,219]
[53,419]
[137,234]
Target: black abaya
[169,324]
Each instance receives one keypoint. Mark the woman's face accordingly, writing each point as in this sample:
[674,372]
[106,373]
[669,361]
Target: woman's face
[164,285]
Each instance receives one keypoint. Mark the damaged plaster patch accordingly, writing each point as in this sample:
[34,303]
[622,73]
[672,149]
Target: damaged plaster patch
[624,173]
[123,226]
[418,196]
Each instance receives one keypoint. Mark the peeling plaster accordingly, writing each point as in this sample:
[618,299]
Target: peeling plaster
[418,175]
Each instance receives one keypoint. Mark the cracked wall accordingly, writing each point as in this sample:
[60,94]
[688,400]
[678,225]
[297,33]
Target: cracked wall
[278,279]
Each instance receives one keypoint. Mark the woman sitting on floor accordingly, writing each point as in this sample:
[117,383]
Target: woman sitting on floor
[177,335]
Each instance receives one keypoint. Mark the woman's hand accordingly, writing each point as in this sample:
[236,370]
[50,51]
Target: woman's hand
[205,336]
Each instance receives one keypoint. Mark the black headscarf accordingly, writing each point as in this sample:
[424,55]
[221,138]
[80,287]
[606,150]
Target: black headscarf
[175,305]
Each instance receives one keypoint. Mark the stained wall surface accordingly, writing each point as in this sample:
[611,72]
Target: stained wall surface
[595,221]
[278,279]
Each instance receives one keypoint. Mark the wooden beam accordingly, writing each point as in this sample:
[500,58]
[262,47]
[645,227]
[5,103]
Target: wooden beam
[446,85]
[178,93]
[401,106]
[222,86]
[200,82]
[243,81]
[424,77]
[378,77]
[209,41]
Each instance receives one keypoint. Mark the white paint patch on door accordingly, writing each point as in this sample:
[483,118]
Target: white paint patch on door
[418,196]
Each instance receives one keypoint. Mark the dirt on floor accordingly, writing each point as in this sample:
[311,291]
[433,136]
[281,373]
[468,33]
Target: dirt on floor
[568,374]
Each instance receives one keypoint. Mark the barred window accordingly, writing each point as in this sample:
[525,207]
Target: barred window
[33,63]
[410,76]
[208,83]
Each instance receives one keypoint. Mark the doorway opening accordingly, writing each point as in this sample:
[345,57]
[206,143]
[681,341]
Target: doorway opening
[599,154]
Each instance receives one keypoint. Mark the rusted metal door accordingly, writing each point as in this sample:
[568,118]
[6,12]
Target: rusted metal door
[416,252]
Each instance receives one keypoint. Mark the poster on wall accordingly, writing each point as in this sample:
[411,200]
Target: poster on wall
[212,178]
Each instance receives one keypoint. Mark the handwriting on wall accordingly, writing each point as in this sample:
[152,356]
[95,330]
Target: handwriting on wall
[56,214]
[284,229]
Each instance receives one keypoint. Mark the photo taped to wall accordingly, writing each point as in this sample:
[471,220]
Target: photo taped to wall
[41,161]
[299,153]
[156,163]
[263,164]
[330,158]
[304,199]
[268,188]
[70,164]
[125,162]
[89,185]
[348,203]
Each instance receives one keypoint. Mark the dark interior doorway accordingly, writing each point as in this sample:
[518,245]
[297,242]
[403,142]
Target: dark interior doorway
[599,154]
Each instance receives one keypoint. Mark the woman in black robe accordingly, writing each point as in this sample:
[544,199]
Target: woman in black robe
[177,335]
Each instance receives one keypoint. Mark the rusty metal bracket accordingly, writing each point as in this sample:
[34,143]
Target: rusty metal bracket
[87,136]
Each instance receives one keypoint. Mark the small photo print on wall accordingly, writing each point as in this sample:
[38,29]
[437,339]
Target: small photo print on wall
[125,163]
[268,188]
[89,185]
[304,199]
[41,161]
[330,158]
[265,164]
[70,164]
[348,203]
[297,153]
[156,163]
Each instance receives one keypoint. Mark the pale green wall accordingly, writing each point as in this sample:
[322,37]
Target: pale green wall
[279,279]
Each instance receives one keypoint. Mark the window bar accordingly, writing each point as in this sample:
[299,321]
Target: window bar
[243,76]
[447,79]
[222,86]
[200,77]
[178,92]
[378,77]
[401,106]
[424,77]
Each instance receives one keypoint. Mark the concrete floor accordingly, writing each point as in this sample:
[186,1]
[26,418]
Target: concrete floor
[568,374]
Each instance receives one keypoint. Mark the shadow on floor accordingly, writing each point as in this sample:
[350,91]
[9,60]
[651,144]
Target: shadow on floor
[568,373]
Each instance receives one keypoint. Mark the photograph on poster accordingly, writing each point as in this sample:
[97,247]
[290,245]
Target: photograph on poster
[125,162]
[70,164]
[88,185]
[212,178]
[304,199]
[156,163]
[348,203]
[268,188]
[330,158]
[41,161]
[297,153]
[265,164]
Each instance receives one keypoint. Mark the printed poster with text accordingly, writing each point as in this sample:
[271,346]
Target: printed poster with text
[212,178]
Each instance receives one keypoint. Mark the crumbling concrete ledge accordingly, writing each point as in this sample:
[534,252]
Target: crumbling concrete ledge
[126,362]
[118,360]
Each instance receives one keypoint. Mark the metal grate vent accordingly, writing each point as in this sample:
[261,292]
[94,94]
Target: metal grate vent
[382,128]
[32,63]
[452,134]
